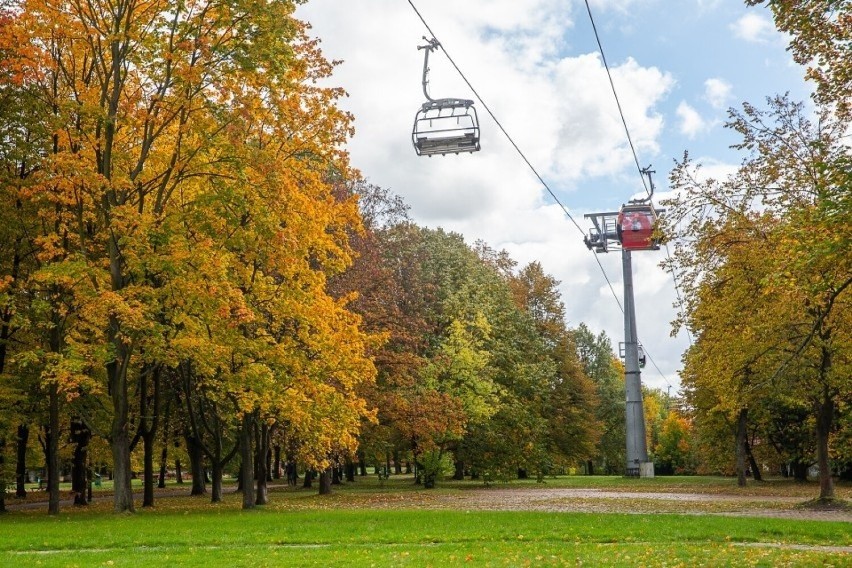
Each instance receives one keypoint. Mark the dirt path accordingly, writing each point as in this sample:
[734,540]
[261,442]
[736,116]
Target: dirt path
[604,501]
[544,498]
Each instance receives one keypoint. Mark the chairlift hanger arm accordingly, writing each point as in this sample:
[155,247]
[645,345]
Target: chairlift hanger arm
[431,45]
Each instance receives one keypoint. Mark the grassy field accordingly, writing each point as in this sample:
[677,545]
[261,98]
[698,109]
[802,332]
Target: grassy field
[397,524]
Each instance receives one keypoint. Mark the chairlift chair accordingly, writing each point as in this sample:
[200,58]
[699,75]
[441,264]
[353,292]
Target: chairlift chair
[443,126]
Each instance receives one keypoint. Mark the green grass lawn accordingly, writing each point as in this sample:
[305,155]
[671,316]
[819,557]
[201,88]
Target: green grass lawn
[300,528]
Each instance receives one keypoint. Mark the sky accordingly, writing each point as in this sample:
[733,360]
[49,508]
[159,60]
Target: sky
[677,67]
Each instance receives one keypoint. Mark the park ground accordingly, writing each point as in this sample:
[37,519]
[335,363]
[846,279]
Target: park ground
[575,520]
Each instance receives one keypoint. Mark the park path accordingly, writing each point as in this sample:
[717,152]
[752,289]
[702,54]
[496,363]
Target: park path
[541,498]
[607,501]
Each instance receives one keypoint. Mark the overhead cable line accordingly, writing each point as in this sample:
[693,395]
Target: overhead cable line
[632,147]
[617,101]
[530,165]
[517,149]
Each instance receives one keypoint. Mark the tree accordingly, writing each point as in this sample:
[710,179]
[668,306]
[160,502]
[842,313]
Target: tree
[673,451]
[767,239]
[820,32]
[152,113]
[606,372]
[571,401]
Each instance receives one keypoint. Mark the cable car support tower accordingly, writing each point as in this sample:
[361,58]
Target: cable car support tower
[630,229]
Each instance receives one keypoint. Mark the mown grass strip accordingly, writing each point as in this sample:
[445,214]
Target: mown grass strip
[364,524]
[479,553]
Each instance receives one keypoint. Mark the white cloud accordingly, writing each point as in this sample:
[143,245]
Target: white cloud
[717,92]
[559,109]
[691,122]
[590,138]
[754,28]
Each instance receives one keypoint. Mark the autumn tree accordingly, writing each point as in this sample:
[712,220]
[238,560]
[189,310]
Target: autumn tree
[571,401]
[774,253]
[820,32]
[600,364]
[156,113]
[391,301]
[673,451]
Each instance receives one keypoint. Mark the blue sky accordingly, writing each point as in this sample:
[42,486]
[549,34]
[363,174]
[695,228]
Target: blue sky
[677,67]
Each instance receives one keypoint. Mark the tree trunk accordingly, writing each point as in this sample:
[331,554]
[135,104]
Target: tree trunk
[262,452]
[247,466]
[149,410]
[80,436]
[121,472]
[755,470]
[196,465]
[458,474]
[119,434]
[800,469]
[21,464]
[268,461]
[291,471]
[309,477]
[276,462]
[325,482]
[148,468]
[119,431]
[216,483]
[824,420]
[178,472]
[89,477]
[164,456]
[217,464]
[362,464]
[742,432]
[52,450]
[350,470]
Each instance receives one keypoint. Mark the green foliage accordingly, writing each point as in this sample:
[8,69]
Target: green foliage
[478,361]
[435,466]
[765,289]
[674,452]
[606,372]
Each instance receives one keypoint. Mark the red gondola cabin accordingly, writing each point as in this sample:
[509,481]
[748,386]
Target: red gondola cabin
[635,227]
